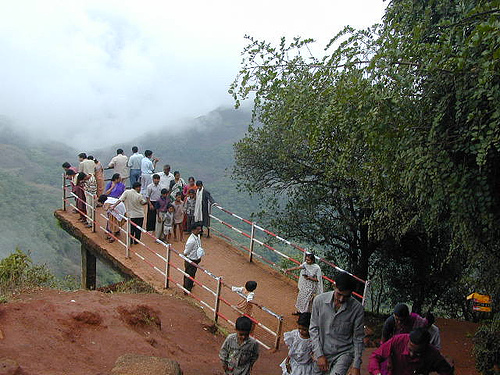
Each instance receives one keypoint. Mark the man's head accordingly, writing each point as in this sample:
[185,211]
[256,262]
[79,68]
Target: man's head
[419,342]
[166,168]
[82,156]
[199,183]
[196,228]
[135,149]
[136,186]
[156,179]
[430,319]
[401,313]
[251,285]
[148,153]
[102,198]
[344,286]
[66,165]
[243,327]
[164,192]
[119,151]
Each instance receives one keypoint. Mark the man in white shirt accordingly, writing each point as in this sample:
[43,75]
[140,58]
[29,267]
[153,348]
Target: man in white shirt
[148,165]
[119,164]
[165,177]
[192,253]
[86,166]
[134,202]
[134,163]
[153,194]
[433,330]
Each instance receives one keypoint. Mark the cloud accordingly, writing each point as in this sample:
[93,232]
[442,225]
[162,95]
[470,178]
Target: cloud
[99,72]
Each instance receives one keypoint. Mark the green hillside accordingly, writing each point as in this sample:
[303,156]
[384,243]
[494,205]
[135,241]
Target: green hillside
[30,181]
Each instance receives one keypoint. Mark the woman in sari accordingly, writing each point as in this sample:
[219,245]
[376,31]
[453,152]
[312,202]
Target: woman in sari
[99,176]
[79,191]
[176,185]
[190,185]
[115,187]
[310,283]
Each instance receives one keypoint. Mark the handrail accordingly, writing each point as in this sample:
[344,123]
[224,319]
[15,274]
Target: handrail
[170,266]
[253,240]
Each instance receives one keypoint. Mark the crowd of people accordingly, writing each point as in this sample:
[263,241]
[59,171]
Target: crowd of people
[329,338]
[330,333]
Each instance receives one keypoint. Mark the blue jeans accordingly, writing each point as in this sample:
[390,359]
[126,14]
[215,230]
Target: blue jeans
[135,176]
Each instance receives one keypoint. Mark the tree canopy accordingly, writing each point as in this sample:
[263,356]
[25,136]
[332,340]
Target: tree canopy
[385,150]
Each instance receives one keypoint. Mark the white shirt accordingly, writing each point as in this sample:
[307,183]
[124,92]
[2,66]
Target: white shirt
[147,166]
[191,248]
[165,179]
[435,337]
[134,162]
[119,210]
[87,166]
[153,192]
[134,202]
[241,290]
[119,164]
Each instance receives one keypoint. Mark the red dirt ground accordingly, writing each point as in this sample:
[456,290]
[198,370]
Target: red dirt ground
[81,333]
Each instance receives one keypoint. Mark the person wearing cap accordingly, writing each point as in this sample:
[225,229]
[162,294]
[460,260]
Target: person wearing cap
[409,353]
[401,321]
[337,329]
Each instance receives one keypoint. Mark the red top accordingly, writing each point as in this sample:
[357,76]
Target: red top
[402,364]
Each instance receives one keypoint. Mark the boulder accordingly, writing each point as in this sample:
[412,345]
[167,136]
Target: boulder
[135,364]
[9,367]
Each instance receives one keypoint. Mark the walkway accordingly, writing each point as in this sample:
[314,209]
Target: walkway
[274,290]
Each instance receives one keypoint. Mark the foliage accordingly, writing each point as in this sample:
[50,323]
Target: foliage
[387,146]
[18,273]
[135,286]
[487,347]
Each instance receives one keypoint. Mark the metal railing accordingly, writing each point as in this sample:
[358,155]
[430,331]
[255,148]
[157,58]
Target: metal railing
[213,298]
[250,249]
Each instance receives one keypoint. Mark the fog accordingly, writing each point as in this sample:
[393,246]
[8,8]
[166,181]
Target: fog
[91,73]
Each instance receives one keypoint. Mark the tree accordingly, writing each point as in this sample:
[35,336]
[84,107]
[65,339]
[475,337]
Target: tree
[394,132]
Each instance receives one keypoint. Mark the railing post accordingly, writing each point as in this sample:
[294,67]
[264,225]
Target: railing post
[63,192]
[167,268]
[278,334]
[366,290]
[93,213]
[217,299]
[127,248]
[209,213]
[252,235]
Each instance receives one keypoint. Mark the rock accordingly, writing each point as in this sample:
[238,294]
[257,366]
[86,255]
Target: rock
[135,364]
[9,367]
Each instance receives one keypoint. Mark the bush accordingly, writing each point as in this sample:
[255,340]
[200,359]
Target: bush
[17,273]
[487,347]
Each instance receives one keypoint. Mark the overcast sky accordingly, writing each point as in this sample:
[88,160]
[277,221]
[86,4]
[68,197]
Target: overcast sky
[90,73]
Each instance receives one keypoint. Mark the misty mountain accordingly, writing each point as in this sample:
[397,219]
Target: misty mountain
[30,178]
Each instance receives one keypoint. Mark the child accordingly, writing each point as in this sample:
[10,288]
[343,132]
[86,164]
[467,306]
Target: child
[239,351]
[299,360]
[161,210]
[247,302]
[178,215]
[189,204]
